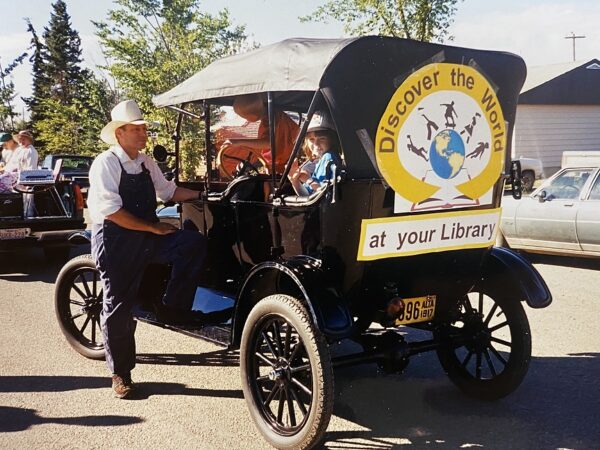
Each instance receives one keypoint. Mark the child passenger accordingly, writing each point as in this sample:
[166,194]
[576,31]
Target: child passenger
[322,142]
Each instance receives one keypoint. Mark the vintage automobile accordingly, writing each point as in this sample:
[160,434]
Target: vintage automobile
[74,168]
[561,217]
[400,236]
[54,222]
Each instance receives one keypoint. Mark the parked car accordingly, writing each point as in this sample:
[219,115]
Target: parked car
[561,217]
[75,168]
[400,234]
[56,223]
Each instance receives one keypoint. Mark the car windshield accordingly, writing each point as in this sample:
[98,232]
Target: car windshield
[568,184]
[76,164]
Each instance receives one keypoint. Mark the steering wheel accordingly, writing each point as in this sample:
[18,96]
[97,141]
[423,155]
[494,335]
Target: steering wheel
[569,191]
[245,165]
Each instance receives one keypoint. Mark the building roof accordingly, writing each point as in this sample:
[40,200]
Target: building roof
[576,82]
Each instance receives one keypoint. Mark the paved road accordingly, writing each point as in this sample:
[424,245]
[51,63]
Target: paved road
[50,397]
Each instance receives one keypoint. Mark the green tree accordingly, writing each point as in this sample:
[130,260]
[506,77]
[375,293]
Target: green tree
[74,127]
[423,20]
[69,105]
[152,45]
[41,84]
[7,94]
[63,47]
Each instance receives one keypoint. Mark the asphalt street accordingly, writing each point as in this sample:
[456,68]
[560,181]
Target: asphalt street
[51,397]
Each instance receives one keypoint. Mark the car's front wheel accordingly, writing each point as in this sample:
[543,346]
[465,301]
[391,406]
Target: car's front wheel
[78,302]
[287,376]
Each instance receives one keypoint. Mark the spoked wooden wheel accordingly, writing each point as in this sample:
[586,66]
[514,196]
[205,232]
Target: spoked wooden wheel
[78,302]
[286,373]
[494,345]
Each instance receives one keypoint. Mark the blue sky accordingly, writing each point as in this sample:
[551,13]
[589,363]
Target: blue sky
[534,29]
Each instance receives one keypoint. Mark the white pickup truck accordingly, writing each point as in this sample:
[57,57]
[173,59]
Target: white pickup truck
[531,170]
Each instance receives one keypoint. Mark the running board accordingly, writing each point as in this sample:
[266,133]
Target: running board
[216,334]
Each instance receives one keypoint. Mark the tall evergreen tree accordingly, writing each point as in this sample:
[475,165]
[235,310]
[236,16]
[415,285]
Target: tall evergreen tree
[64,55]
[69,104]
[41,84]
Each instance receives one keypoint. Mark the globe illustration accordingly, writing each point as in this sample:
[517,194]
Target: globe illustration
[447,154]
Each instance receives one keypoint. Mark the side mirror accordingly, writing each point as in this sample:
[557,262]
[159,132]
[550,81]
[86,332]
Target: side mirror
[542,196]
[160,153]
[515,179]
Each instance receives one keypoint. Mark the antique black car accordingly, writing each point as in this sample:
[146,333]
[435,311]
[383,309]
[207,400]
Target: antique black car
[42,211]
[400,236]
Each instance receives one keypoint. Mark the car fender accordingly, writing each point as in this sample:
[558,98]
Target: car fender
[302,278]
[515,275]
[80,237]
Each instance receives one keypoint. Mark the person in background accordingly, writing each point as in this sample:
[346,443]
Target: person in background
[252,107]
[28,155]
[127,236]
[6,153]
[9,166]
[321,138]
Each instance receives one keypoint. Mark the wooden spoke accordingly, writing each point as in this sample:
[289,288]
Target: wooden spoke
[302,387]
[500,341]
[489,363]
[496,354]
[265,359]
[497,327]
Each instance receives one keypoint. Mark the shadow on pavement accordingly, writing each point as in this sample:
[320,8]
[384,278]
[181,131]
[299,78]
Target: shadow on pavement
[72,383]
[30,264]
[555,407]
[567,261]
[220,358]
[20,419]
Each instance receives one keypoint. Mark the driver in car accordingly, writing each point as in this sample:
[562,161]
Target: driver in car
[253,108]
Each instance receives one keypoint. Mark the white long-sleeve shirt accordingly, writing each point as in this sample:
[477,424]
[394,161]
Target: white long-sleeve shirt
[24,158]
[105,175]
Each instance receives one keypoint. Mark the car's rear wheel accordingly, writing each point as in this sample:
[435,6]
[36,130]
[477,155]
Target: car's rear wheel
[287,376]
[78,302]
[486,352]
[527,180]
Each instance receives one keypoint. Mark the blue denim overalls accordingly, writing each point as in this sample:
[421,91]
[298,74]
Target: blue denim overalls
[122,256]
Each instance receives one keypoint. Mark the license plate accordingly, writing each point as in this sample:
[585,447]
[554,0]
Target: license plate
[417,309]
[14,233]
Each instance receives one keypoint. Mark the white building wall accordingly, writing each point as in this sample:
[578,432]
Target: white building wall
[545,131]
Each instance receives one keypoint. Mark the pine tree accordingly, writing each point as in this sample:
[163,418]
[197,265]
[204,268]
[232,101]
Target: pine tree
[41,84]
[69,104]
[63,55]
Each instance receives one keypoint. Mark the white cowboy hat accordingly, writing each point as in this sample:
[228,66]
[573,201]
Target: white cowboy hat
[126,112]
[320,121]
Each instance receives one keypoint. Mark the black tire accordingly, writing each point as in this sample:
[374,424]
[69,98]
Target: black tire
[286,373]
[57,254]
[527,180]
[489,319]
[78,302]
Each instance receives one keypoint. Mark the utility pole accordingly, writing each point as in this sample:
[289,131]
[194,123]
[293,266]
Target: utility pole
[573,37]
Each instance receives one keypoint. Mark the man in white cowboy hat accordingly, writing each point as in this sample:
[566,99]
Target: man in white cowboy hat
[127,236]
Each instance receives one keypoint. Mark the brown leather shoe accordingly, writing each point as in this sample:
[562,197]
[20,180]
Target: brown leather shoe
[122,386]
